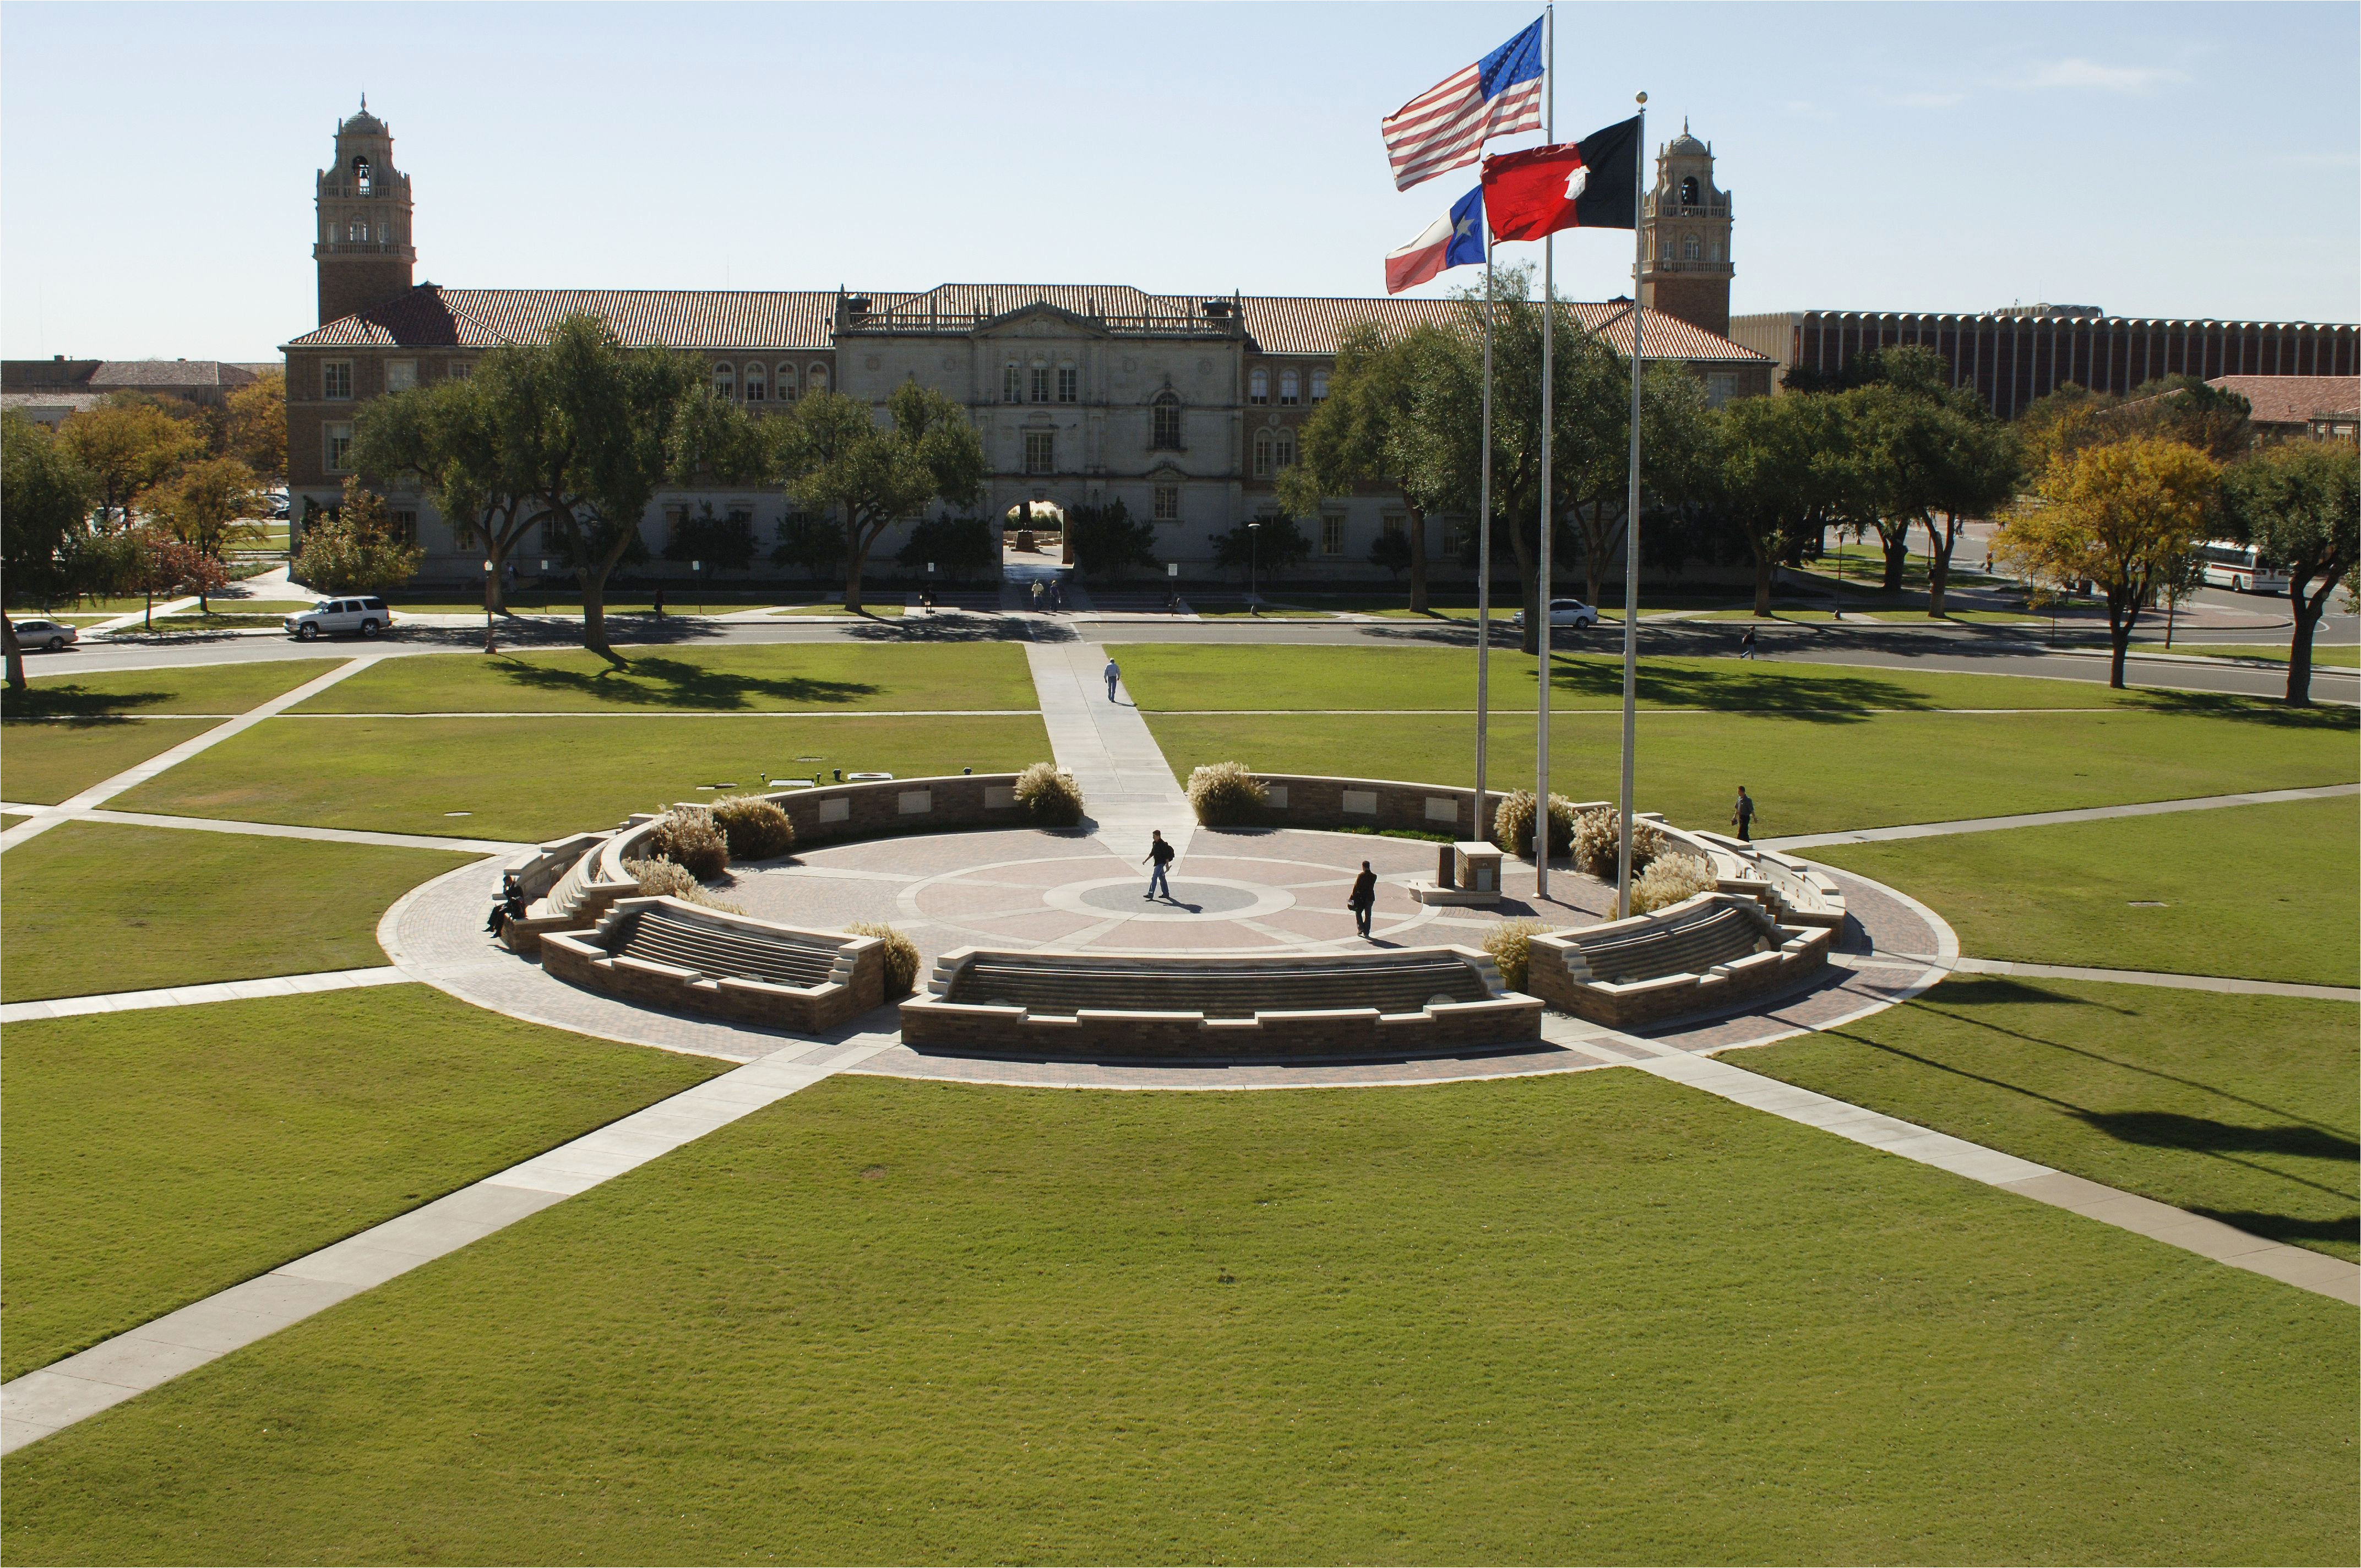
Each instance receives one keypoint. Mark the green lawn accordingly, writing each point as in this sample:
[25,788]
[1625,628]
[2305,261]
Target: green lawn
[2337,655]
[873,609]
[1195,676]
[89,907]
[1593,1318]
[43,761]
[1814,773]
[217,621]
[541,778]
[153,1158]
[2240,1107]
[197,688]
[2253,891]
[777,678]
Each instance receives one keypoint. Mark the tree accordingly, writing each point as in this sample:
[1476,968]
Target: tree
[1270,544]
[2117,515]
[961,548]
[1391,550]
[465,442]
[2299,504]
[254,426]
[1774,487]
[726,543]
[210,504]
[355,549]
[153,561]
[49,496]
[831,452]
[813,544]
[1107,541]
[2183,407]
[126,448]
[1920,452]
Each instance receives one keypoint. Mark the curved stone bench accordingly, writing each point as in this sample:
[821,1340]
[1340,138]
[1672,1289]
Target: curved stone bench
[1080,1006]
[675,954]
[1700,954]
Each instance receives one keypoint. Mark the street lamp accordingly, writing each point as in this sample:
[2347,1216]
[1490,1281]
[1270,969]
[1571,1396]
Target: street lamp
[1254,568]
[489,646]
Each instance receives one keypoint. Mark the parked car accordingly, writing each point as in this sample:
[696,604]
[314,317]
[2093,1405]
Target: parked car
[50,635]
[334,618]
[1566,612]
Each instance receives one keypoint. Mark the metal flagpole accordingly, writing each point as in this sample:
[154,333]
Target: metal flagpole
[1632,527]
[1549,336]
[1484,565]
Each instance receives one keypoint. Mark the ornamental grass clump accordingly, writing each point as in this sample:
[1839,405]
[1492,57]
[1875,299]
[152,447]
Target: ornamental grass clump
[1049,795]
[1225,795]
[1598,843]
[688,837]
[901,955]
[1512,823]
[754,829]
[1668,880]
[1510,945]
[669,879]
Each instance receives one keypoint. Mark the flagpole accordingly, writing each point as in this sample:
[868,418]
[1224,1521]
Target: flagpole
[1484,565]
[1631,525]
[1548,389]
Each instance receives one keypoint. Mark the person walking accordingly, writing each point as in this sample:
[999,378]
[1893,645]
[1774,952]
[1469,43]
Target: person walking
[1159,855]
[659,604]
[1113,673]
[1746,644]
[1741,816]
[1365,897]
[1037,596]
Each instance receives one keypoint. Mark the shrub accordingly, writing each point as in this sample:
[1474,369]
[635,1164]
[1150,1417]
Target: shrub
[687,837]
[1510,945]
[1598,843]
[667,879]
[1225,795]
[1049,795]
[1668,880]
[1512,823]
[901,955]
[754,829]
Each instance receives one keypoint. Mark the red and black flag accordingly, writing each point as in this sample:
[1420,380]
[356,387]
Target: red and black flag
[1592,185]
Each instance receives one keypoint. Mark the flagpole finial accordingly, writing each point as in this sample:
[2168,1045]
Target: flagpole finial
[1641,98]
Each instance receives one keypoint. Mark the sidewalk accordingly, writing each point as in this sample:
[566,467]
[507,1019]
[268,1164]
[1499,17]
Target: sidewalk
[1127,787]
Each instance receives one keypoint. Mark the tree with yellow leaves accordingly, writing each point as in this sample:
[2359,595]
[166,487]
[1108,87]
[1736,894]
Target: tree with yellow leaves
[2116,516]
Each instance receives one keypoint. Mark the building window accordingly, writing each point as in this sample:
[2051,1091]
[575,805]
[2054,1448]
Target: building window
[1285,456]
[1397,522]
[400,375]
[1319,386]
[1262,446]
[1012,383]
[1688,199]
[1689,252]
[725,381]
[364,178]
[337,379]
[1720,388]
[815,380]
[1167,433]
[1331,533]
[337,441]
[786,383]
[1289,389]
[1168,503]
[1040,452]
[1259,385]
[405,526]
[1069,384]
[758,386]
[459,369]
[1041,383]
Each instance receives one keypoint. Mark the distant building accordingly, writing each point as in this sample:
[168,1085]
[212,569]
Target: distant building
[46,391]
[2017,355]
[2318,408]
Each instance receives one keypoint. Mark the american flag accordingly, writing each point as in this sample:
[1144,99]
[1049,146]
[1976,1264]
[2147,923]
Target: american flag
[1444,127]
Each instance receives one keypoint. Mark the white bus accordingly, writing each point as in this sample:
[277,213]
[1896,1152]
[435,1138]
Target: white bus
[2236,567]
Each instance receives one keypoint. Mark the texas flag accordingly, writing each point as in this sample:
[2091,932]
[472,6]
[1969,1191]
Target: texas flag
[1455,239]
[1590,184]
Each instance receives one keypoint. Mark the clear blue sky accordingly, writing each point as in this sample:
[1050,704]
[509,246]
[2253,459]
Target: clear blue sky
[156,161]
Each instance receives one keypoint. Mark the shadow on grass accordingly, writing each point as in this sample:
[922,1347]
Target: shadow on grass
[2288,1228]
[2170,1130]
[75,702]
[655,681]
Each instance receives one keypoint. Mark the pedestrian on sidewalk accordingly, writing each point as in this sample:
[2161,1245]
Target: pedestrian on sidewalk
[659,602]
[1746,644]
[1057,592]
[926,599]
[1741,816]
[1113,673]
[1365,897]
[1159,855]
[1037,596]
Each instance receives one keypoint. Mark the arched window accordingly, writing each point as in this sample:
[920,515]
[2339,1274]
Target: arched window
[1167,422]
[724,381]
[786,383]
[1689,191]
[1290,388]
[364,178]
[1689,250]
[1285,456]
[1319,386]
[757,384]
[815,380]
[1262,453]
[1259,385]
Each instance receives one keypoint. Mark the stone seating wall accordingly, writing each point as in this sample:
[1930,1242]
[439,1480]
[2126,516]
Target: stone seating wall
[1701,954]
[669,953]
[1097,1005]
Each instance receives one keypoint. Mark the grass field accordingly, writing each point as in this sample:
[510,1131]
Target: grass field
[155,1157]
[778,677]
[201,688]
[1812,772]
[218,620]
[2332,655]
[89,907]
[43,761]
[1587,1317]
[536,778]
[2253,891]
[874,609]
[2240,1107]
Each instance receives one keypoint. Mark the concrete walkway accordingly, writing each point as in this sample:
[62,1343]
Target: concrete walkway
[138,616]
[1127,787]
[79,1386]
[48,817]
[193,995]
[2153,977]
[2048,819]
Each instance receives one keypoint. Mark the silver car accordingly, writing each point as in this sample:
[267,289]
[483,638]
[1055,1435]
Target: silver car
[1567,612]
[50,635]
[334,618]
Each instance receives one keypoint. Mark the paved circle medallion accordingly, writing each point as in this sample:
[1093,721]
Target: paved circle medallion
[1196,898]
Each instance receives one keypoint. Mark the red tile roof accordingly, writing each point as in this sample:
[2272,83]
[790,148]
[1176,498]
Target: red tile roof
[2292,399]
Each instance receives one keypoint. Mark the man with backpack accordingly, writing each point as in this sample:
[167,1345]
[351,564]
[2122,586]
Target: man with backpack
[1159,856]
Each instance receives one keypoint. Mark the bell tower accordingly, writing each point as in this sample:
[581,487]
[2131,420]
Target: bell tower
[362,243]
[1687,269]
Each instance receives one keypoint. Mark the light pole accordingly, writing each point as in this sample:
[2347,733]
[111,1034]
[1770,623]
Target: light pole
[1254,568]
[489,646]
